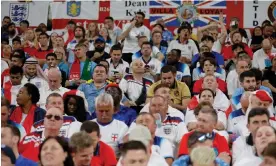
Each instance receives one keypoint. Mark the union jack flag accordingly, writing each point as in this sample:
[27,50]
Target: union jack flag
[208,10]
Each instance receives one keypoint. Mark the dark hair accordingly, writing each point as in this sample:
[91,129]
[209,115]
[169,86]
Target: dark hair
[115,47]
[207,38]
[248,73]
[210,111]
[201,105]
[44,34]
[211,60]
[25,22]
[235,33]
[71,22]
[90,126]
[82,29]
[182,28]
[16,70]
[117,97]
[17,38]
[146,43]
[5,102]
[267,25]
[80,45]
[21,55]
[51,54]
[100,65]
[4,40]
[109,18]
[178,52]
[80,113]
[33,91]
[168,68]
[132,145]
[7,17]
[206,89]
[253,34]
[270,150]
[11,24]
[38,30]
[193,138]
[104,60]
[238,45]
[14,130]
[257,112]
[258,73]
[153,33]
[141,13]
[159,86]
[162,27]
[65,146]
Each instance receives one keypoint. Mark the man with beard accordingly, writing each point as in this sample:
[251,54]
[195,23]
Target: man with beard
[131,32]
[79,34]
[12,32]
[183,71]
[98,54]
[24,25]
[5,22]
[179,91]
[113,30]
[236,38]
[44,49]
[267,31]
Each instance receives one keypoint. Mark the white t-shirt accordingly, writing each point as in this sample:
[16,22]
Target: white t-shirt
[217,46]
[155,66]
[120,68]
[113,133]
[234,118]
[187,50]
[131,41]
[164,147]
[23,118]
[4,65]
[14,91]
[240,149]
[172,111]
[261,60]
[232,81]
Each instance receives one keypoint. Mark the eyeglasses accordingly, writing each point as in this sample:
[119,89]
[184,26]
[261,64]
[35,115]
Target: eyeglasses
[56,117]
[205,137]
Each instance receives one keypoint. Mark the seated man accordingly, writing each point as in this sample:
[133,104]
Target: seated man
[179,91]
[112,130]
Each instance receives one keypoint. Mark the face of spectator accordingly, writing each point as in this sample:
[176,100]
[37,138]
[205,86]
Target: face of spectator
[12,30]
[60,53]
[30,35]
[158,105]
[80,52]
[95,137]
[208,43]
[209,68]
[184,33]
[204,49]
[54,37]
[15,62]
[99,74]
[258,32]
[55,102]
[268,161]
[164,92]
[256,102]
[84,156]
[146,50]
[214,33]
[157,28]
[135,158]
[116,55]
[237,38]
[141,41]
[99,46]
[23,97]
[4,114]
[43,27]
[54,80]
[59,42]
[257,121]
[103,32]
[264,136]
[7,138]
[172,57]
[51,61]
[92,27]
[206,96]
[109,23]
[267,31]
[104,112]
[71,27]
[137,66]
[16,45]
[210,82]
[7,49]
[23,27]
[168,78]
[139,18]
[267,48]
[242,66]
[43,40]
[147,121]
[6,21]
[78,33]
[249,84]
[52,153]
[205,122]
[157,38]
[72,105]
[16,78]
[31,70]
[53,119]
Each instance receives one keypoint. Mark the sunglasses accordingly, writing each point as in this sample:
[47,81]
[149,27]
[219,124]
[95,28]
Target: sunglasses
[205,137]
[56,117]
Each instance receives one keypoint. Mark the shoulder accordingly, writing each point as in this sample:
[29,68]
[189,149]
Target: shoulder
[128,77]
[32,137]
[181,85]
[39,123]
[173,120]
[38,109]
[236,113]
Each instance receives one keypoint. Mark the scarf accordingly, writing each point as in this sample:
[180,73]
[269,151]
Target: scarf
[75,70]
[16,116]
[7,90]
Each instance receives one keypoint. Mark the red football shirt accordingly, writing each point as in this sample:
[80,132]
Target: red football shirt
[228,53]
[103,155]
[219,143]
[41,54]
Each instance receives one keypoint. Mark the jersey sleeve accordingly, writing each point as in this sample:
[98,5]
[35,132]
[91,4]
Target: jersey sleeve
[181,130]
[73,128]
[183,146]
[166,148]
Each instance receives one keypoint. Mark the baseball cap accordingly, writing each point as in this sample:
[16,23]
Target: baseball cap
[8,152]
[100,39]
[140,133]
[263,96]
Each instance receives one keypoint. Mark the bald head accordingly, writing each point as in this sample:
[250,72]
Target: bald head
[137,66]
[54,77]
[266,45]
[245,100]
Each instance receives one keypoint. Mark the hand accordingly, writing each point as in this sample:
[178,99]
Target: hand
[191,126]
[97,55]
[129,103]
[225,157]
[133,23]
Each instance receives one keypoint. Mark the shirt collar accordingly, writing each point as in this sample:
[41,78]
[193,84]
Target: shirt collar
[120,61]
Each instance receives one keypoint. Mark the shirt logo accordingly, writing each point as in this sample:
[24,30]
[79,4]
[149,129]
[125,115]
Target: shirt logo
[176,93]
[114,137]
[167,130]
[38,84]
[73,8]
[19,12]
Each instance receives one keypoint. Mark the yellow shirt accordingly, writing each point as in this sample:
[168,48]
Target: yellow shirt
[179,92]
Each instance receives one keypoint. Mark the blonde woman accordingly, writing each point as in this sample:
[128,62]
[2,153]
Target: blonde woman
[92,31]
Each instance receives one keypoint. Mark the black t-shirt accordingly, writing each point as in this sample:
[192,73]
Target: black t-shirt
[271,77]
[90,54]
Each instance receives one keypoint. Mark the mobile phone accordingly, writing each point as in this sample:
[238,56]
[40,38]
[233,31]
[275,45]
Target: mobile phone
[147,66]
